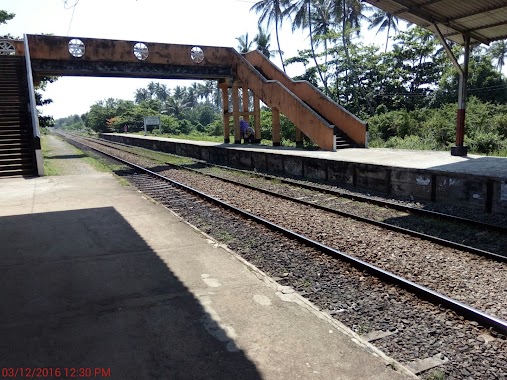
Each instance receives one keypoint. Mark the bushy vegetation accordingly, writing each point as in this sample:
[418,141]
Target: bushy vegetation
[434,128]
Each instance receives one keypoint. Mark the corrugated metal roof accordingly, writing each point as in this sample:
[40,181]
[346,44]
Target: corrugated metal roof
[485,20]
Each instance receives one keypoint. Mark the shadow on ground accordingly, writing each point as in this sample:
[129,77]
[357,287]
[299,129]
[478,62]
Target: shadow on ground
[81,289]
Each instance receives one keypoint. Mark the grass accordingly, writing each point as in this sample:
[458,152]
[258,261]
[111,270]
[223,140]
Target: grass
[195,136]
[50,168]
[435,374]
[223,237]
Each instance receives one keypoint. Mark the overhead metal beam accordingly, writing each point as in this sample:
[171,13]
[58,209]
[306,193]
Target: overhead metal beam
[478,12]
[500,23]
[434,19]
[429,2]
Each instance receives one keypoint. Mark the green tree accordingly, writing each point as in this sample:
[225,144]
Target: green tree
[484,82]
[177,106]
[5,16]
[302,12]
[244,46]
[262,40]
[382,21]
[271,11]
[141,95]
[498,51]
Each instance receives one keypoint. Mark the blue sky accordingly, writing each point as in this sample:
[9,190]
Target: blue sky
[196,22]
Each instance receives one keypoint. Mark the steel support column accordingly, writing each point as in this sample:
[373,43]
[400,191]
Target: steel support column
[460,149]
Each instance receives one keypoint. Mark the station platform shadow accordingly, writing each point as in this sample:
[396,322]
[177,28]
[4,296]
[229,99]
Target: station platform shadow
[82,289]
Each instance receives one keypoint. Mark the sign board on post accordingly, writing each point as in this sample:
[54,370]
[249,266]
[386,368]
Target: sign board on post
[152,120]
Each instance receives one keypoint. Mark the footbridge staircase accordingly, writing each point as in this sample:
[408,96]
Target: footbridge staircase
[17,142]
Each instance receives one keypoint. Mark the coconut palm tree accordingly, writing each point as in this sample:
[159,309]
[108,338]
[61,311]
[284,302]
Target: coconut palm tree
[302,10]
[244,45]
[350,13]
[272,11]
[141,95]
[383,20]
[262,40]
[324,25]
[177,106]
[498,51]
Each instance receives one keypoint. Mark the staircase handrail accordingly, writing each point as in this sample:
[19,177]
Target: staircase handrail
[346,121]
[32,108]
[273,86]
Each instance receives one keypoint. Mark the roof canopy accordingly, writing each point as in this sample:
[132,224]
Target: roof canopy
[485,20]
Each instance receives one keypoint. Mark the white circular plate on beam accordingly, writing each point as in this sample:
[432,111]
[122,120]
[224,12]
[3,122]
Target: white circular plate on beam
[76,48]
[141,51]
[6,48]
[197,54]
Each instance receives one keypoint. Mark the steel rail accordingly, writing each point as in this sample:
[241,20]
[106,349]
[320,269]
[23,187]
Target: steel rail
[355,197]
[420,235]
[379,202]
[419,290]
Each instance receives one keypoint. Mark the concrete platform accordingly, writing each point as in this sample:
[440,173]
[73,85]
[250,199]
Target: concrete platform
[477,182]
[95,276]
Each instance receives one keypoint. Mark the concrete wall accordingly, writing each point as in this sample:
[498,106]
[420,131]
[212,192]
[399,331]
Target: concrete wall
[471,191]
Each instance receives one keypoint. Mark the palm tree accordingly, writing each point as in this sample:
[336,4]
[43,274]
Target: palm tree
[324,24]
[206,90]
[383,20]
[141,94]
[244,45]
[162,92]
[262,40]
[177,106]
[302,11]
[350,14]
[498,51]
[271,10]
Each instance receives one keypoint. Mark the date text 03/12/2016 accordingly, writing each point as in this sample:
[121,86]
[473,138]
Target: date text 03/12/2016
[54,372]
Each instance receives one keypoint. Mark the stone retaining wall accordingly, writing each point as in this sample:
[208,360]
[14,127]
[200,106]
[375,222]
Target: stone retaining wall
[471,191]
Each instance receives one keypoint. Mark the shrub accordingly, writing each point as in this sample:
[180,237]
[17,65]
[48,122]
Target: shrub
[410,142]
[485,142]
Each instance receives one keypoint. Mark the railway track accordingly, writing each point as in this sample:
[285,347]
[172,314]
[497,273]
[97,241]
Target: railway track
[185,204]
[456,232]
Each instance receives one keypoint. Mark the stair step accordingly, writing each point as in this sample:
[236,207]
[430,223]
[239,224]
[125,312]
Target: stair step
[14,145]
[12,127]
[17,132]
[23,161]
[9,139]
[14,154]
[20,172]
[15,150]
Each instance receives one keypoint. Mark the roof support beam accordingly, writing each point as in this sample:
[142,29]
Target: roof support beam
[448,50]
[479,11]
[482,27]
[434,19]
